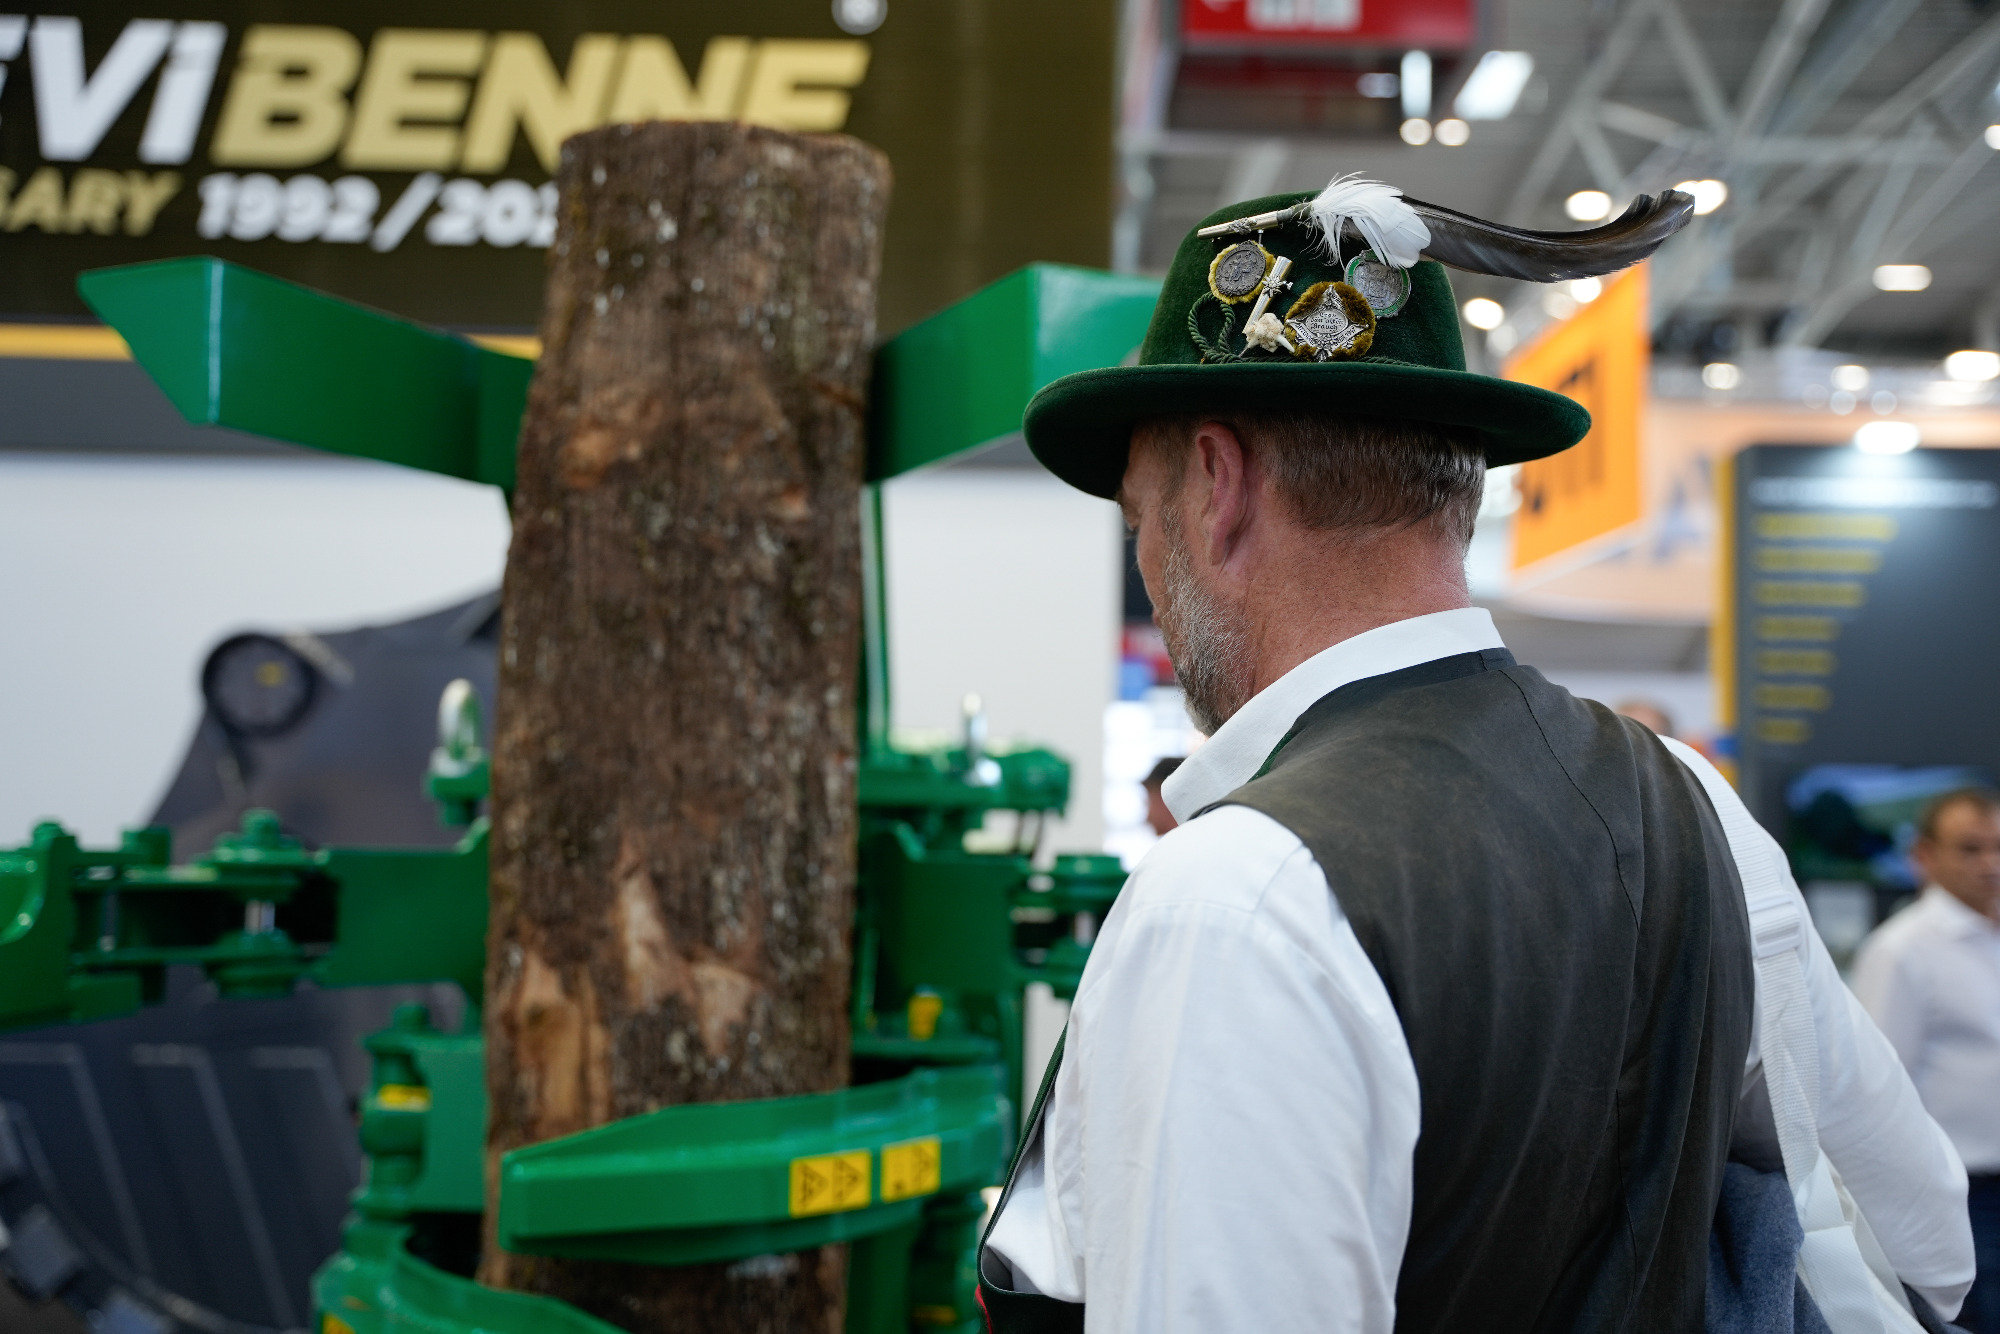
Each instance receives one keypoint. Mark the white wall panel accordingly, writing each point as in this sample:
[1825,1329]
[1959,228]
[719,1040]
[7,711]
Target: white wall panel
[118,574]
[1006,584]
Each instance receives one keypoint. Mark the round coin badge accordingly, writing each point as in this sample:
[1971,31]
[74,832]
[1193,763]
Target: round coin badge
[1385,286]
[1238,272]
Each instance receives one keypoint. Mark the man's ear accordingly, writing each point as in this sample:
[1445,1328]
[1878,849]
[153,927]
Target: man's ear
[1222,469]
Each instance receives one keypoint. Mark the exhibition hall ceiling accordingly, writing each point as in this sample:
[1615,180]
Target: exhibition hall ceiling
[1850,134]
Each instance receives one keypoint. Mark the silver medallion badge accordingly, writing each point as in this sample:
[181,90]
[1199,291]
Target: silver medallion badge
[1384,286]
[1237,273]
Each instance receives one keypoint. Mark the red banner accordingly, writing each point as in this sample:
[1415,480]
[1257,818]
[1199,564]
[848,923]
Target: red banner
[1435,25]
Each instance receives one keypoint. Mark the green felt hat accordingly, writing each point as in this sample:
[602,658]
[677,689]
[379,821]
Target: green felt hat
[1346,335]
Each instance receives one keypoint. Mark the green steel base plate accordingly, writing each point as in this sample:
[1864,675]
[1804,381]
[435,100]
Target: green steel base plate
[375,1286]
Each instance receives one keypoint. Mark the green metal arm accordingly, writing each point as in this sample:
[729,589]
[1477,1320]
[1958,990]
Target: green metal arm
[237,348]
[962,378]
[714,1181]
[234,347]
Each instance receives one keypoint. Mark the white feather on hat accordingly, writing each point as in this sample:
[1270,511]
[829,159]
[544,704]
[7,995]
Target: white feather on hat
[1391,227]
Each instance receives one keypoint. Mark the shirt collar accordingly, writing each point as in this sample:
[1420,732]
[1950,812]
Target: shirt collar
[1230,758]
[1957,916]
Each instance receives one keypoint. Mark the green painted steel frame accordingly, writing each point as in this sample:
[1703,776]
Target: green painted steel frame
[427,1153]
[232,347]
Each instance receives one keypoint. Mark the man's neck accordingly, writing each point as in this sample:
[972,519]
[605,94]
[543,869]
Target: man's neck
[1986,908]
[1334,588]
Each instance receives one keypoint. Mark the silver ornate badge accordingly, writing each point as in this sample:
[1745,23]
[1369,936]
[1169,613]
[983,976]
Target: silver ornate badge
[1331,320]
[1384,286]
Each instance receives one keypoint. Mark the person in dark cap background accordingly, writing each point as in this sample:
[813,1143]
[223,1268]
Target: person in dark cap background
[1436,1011]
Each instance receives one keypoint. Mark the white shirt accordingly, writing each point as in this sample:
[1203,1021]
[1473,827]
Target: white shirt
[1230,1138]
[1930,976]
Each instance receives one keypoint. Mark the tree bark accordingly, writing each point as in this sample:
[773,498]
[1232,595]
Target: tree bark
[674,765]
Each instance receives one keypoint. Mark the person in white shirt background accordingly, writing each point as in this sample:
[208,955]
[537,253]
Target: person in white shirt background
[1930,976]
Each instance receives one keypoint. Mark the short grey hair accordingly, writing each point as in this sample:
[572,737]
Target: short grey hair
[1354,472]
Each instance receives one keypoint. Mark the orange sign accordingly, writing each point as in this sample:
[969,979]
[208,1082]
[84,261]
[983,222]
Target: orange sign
[1599,357]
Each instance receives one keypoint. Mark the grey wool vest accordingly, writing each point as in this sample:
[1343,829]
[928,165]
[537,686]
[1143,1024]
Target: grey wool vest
[1550,901]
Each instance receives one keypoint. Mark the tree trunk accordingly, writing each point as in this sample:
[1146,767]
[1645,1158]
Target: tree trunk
[674,765]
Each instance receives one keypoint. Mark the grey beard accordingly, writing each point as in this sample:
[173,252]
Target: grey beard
[1205,640]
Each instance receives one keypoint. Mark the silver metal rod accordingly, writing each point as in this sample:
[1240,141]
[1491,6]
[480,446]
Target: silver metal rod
[1257,222]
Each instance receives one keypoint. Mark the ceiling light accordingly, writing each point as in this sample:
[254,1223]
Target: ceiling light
[1957,393]
[1840,401]
[1558,304]
[1902,277]
[1585,290]
[1453,133]
[1485,313]
[1972,364]
[1992,135]
[1378,84]
[860,17]
[1882,401]
[1502,340]
[1588,206]
[1416,84]
[1709,195]
[1721,375]
[1852,378]
[1416,132]
[1887,437]
[1494,85]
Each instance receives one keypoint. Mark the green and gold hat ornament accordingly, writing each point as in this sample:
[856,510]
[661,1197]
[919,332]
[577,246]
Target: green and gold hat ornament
[1335,302]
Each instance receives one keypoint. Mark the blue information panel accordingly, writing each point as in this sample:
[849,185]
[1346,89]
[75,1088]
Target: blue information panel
[1866,608]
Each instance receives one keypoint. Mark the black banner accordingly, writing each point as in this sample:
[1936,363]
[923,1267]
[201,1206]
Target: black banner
[399,153]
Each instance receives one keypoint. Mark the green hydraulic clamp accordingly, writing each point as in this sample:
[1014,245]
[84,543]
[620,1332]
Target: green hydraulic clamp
[90,933]
[718,1181]
[946,936]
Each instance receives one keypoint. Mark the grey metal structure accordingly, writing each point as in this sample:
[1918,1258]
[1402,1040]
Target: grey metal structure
[1850,133]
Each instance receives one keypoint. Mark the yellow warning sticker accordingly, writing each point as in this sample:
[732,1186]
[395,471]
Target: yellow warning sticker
[831,1182]
[404,1097]
[914,1167]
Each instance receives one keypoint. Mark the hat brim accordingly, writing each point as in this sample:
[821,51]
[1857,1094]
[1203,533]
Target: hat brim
[1080,426]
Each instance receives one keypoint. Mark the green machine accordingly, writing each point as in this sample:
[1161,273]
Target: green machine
[948,931]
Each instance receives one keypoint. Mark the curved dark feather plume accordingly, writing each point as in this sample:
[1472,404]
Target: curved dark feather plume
[1478,246]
